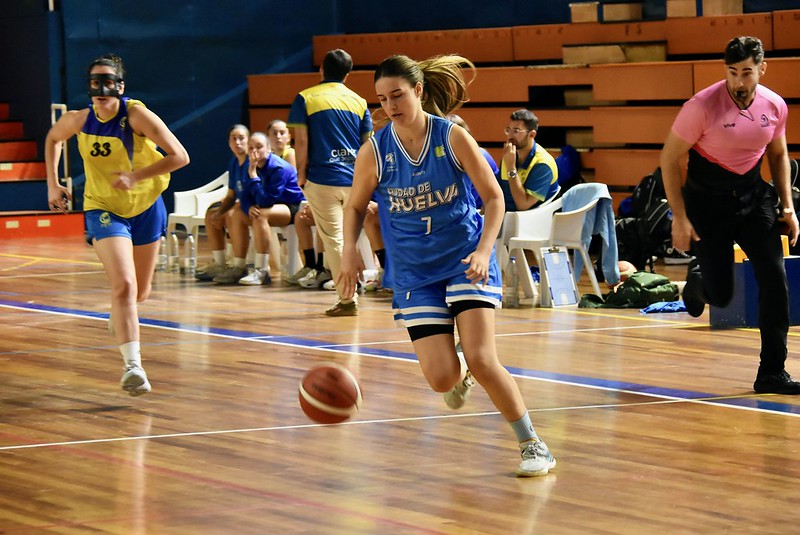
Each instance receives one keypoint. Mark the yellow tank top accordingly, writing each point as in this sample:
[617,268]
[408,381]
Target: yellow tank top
[109,146]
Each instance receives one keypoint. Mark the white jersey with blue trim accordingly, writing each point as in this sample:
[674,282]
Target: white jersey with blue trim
[428,219]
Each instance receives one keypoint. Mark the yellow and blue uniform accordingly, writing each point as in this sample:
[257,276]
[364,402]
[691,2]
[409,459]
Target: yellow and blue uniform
[336,117]
[109,146]
[287,151]
[538,174]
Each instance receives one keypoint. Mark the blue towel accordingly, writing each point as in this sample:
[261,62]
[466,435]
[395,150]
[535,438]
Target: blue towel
[665,306]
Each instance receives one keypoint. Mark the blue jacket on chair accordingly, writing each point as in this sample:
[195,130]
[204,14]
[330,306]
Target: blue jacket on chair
[599,220]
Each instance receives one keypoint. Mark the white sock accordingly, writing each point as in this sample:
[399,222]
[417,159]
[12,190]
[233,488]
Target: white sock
[262,261]
[131,353]
[219,257]
[239,262]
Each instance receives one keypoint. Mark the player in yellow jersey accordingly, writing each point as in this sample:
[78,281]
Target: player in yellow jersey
[125,215]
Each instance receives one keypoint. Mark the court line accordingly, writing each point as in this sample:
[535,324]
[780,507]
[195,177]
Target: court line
[361,422]
[744,401]
[38,275]
[50,259]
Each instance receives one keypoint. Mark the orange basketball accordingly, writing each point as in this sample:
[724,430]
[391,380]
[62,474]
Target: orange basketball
[330,393]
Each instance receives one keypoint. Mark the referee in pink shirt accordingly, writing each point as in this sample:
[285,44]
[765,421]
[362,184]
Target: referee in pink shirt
[726,129]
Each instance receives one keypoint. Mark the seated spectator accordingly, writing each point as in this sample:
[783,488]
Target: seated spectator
[281,141]
[528,174]
[269,195]
[218,215]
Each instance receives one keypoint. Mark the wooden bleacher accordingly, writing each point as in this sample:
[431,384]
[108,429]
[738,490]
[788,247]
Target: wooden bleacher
[616,114]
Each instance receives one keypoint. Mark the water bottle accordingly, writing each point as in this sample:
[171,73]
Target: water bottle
[174,257]
[512,291]
[161,265]
[191,255]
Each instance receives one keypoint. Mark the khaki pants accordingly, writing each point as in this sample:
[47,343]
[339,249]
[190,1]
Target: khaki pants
[327,204]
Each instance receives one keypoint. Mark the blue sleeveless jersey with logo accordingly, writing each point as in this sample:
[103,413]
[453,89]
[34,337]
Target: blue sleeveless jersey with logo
[428,219]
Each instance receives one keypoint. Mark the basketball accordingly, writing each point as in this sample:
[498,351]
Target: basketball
[330,393]
[626,269]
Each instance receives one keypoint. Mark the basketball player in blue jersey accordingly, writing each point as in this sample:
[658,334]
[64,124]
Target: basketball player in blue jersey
[125,215]
[440,249]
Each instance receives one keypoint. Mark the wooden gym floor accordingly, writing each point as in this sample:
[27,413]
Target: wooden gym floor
[651,417]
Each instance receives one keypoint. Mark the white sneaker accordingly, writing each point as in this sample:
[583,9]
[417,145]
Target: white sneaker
[375,284]
[317,282]
[459,395]
[536,459]
[134,380]
[307,279]
[302,272]
[328,285]
[258,277]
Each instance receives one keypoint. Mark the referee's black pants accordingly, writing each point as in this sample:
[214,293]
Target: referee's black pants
[748,218]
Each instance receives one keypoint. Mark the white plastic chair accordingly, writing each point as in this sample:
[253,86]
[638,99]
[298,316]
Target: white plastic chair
[191,206]
[511,228]
[565,231]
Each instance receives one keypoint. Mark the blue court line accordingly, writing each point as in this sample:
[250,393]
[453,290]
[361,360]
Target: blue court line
[756,402]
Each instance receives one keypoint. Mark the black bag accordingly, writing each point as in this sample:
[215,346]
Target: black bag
[650,190]
[647,232]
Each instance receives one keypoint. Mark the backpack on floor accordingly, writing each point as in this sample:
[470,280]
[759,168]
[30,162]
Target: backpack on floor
[647,230]
[640,290]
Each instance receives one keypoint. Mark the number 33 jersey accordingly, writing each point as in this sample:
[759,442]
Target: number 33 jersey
[112,145]
[428,218]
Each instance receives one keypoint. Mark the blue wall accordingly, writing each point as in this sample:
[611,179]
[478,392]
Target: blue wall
[188,61]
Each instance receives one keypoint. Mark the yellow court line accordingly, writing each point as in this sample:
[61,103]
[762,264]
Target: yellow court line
[26,264]
[49,259]
[637,317]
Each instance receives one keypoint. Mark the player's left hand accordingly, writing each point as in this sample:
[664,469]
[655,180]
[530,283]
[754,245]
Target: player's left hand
[478,270]
[125,180]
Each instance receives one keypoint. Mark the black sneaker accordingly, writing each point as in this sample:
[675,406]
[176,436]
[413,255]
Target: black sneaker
[673,257]
[776,383]
[693,291]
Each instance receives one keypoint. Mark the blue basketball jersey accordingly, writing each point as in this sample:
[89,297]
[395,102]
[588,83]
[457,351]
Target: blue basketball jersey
[428,219]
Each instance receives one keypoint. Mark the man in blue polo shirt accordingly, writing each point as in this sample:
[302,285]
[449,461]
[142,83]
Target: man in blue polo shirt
[330,123]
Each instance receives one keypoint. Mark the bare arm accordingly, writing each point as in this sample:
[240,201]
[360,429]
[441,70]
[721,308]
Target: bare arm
[67,126]
[227,203]
[674,152]
[468,153]
[301,153]
[291,158]
[522,199]
[146,123]
[365,180]
[778,158]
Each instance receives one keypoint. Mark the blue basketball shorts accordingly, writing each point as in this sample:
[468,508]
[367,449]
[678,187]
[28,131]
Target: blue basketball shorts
[430,305]
[142,229]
